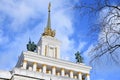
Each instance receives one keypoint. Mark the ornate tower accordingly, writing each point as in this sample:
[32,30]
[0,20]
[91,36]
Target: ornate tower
[48,45]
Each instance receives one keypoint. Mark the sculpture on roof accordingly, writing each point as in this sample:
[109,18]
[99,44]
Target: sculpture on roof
[31,46]
[78,57]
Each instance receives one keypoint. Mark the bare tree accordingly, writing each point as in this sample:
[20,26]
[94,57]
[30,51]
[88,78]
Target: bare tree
[108,14]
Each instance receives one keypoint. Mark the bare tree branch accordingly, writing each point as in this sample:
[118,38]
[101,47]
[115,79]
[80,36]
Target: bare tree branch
[108,28]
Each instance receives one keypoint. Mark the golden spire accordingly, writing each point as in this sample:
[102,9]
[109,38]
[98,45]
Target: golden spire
[48,31]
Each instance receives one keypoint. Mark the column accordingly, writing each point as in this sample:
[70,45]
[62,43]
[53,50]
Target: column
[88,76]
[71,74]
[79,75]
[54,70]
[62,72]
[44,68]
[24,64]
[34,66]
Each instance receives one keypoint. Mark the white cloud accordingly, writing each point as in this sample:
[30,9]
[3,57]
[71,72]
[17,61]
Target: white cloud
[3,39]
[81,45]
[20,13]
[87,54]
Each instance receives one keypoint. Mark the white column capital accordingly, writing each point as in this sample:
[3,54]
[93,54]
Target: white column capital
[62,69]
[53,67]
[34,63]
[44,65]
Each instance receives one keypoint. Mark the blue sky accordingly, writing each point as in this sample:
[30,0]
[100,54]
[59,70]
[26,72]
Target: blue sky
[21,19]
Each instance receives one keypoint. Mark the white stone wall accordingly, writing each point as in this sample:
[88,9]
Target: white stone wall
[5,75]
[33,57]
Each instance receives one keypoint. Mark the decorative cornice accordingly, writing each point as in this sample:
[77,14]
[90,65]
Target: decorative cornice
[31,57]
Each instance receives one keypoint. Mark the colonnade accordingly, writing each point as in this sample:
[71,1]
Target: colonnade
[53,71]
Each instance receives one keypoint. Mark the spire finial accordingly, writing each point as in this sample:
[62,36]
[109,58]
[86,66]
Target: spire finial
[49,21]
[48,31]
[49,6]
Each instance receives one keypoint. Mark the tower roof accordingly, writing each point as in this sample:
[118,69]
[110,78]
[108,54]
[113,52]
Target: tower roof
[48,31]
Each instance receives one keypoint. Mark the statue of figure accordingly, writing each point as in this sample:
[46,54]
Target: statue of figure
[31,46]
[79,58]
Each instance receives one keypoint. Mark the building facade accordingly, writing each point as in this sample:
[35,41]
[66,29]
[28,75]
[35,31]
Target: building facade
[45,63]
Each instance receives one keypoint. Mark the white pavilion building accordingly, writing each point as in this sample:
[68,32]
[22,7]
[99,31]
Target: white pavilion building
[45,63]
